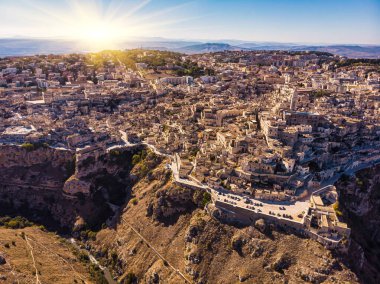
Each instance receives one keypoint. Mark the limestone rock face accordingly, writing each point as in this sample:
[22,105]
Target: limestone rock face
[359,201]
[33,178]
[170,203]
[204,248]
[12,155]
[79,224]
[43,167]
[74,185]
[260,225]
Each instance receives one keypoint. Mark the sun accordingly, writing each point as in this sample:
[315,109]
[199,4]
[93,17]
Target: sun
[97,34]
[95,25]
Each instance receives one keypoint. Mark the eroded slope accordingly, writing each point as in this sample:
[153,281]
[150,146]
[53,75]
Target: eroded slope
[165,220]
[30,253]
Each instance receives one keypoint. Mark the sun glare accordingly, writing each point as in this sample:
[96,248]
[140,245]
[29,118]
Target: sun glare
[97,25]
[98,34]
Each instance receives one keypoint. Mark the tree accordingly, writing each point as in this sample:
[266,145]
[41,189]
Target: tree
[206,198]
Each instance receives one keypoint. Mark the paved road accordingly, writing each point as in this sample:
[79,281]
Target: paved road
[294,209]
[264,207]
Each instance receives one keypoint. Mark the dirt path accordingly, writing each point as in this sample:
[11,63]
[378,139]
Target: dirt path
[61,258]
[34,262]
[158,253]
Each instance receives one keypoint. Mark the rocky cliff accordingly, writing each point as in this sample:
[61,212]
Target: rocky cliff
[34,165]
[360,204]
[155,231]
[164,235]
[34,181]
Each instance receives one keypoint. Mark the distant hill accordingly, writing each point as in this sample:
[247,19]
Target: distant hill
[351,51]
[159,44]
[267,46]
[20,46]
[209,47]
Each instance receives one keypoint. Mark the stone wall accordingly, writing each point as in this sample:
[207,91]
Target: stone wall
[247,217]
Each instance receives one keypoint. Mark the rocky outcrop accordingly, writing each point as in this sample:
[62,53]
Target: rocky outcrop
[74,186]
[55,187]
[162,232]
[19,156]
[170,203]
[43,167]
[359,201]
[260,225]
[171,220]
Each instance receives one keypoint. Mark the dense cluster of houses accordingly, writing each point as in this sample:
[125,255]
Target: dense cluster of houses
[267,124]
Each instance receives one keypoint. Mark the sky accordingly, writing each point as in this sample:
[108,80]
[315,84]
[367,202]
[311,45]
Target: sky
[110,21]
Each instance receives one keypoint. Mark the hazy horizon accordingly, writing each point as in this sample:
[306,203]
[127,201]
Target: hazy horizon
[107,23]
[200,40]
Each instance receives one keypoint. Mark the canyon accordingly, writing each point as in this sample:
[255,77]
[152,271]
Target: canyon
[150,229]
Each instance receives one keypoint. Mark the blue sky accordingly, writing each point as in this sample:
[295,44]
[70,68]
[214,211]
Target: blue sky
[302,21]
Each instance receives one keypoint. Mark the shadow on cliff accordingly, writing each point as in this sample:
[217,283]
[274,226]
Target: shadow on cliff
[359,200]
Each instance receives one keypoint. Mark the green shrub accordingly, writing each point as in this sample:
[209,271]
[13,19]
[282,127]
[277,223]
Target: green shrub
[42,228]
[88,235]
[83,256]
[91,235]
[337,210]
[97,275]
[34,146]
[206,198]
[15,223]
[136,159]
[28,146]
[143,170]
[359,182]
